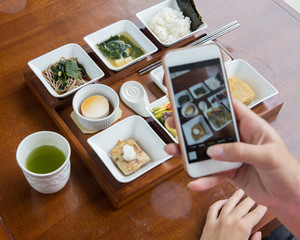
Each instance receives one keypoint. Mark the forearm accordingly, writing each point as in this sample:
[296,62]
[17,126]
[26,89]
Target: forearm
[288,210]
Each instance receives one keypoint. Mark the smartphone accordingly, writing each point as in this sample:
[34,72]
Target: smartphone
[202,108]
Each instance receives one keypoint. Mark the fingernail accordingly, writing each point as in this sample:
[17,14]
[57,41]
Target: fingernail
[240,192]
[215,151]
[189,185]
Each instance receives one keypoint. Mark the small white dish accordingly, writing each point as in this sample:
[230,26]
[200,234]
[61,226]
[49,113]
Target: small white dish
[187,129]
[146,15]
[197,86]
[213,83]
[157,103]
[182,94]
[96,89]
[244,71]
[134,96]
[261,87]
[217,128]
[38,65]
[189,110]
[118,28]
[132,127]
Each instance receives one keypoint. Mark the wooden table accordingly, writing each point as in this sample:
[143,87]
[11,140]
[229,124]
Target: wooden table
[268,39]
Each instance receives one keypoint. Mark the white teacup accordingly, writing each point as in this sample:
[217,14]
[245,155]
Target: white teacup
[49,182]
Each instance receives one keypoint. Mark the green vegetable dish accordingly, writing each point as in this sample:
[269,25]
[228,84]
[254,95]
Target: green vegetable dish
[120,49]
[65,75]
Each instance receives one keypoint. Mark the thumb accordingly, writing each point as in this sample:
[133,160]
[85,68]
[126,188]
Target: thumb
[256,236]
[256,155]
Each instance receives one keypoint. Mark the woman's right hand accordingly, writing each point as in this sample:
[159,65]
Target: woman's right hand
[270,175]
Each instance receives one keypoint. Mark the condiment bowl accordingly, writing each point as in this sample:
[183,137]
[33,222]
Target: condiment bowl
[90,90]
[71,50]
[123,26]
[146,15]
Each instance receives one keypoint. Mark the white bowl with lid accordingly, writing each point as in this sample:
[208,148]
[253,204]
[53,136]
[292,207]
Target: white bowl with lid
[91,90]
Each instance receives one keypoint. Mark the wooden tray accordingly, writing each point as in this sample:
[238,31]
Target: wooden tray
[60,109]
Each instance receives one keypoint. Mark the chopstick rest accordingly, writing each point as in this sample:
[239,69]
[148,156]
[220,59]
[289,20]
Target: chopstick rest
[134,96]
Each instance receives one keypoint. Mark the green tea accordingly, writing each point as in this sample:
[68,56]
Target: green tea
[45,159]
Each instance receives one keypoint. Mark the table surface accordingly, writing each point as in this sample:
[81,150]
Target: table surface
[268,39]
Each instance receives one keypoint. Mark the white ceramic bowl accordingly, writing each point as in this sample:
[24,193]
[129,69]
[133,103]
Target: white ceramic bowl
[131,127]
[90,90]
[158,103]
[38,65]
[49,182]
[117,28]
[146,15]
[261,87]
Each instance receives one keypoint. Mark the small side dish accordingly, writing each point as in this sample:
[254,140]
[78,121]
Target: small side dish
[213,83]
[169,25]
[162,113]
[197,131]
[183,97]
[121,45]
[240,90]
[218,116]
[171,21]
[120,49]
[62,77]
[66,75]
[189,110]
[128,156]
[199,90]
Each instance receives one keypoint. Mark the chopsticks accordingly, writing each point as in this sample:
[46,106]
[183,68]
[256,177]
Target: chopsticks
[211,36]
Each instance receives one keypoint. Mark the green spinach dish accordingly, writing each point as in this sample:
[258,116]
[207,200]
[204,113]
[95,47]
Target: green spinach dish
[119,50]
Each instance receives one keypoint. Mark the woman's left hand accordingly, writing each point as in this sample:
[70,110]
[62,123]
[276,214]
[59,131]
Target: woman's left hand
[229,219]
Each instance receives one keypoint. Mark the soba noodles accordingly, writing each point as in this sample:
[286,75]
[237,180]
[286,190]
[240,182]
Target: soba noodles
[65,75]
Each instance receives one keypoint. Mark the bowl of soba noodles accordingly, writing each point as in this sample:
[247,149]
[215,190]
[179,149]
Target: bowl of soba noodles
[65,70]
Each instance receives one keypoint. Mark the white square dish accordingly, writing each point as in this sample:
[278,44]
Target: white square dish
[117,28]
[131,127]
[197,86]
[38,65]
[157,103]
[261,87]
[187,130]
[244,71]
[146,15]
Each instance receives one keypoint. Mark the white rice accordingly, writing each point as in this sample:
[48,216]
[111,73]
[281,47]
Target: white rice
[169,25]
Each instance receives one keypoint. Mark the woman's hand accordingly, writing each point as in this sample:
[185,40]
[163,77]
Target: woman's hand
[269,173]
[226,219]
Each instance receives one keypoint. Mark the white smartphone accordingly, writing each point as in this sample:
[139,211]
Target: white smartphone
[202,107]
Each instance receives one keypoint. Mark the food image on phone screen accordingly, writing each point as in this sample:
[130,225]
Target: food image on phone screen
[203,107]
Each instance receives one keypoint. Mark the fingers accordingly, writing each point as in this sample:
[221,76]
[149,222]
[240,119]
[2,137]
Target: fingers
[256,236]
[230,205]
[173,149]
[214,210]
[171,122]
[205,183]
[243,208]
[240,152]
[253,217]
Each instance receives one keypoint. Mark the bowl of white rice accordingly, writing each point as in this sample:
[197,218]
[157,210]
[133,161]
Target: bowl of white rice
[166,23]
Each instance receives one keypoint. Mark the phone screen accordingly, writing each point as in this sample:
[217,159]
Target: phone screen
[202,106]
